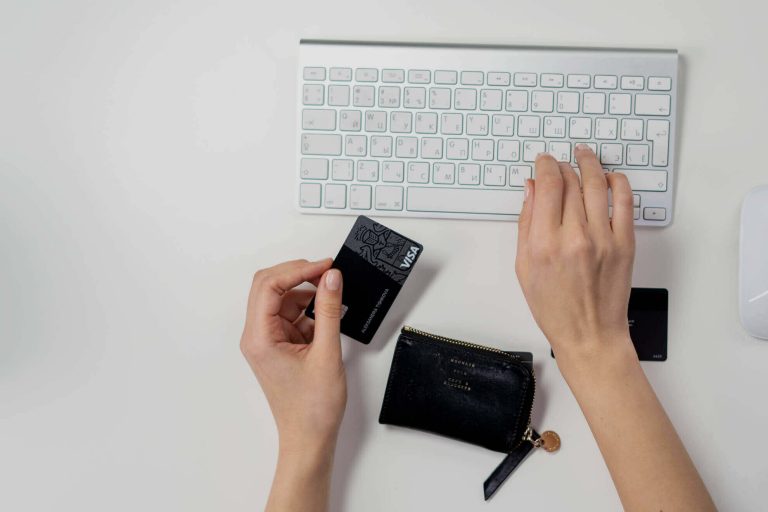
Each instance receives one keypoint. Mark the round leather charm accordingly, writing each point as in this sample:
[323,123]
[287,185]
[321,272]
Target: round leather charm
[550,441]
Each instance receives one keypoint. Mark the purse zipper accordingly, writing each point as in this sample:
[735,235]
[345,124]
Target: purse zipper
[527,435]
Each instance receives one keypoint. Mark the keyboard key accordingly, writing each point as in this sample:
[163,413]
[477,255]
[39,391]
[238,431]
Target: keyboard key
[338,95]
[508,150]
[400,122]
[632,83]
[366,74]
[654,213]
[311,73]
[503,124]
[605,82]
[360,197]
[415,97]
[314,94]
[356,145]
[457,149]
[560,151]
[392,172]
[465,99]
[606,128]
[611,154]
[528,126]
[551,80]
[482,149]
[465,200]
[314,169]
[389,97]
[525,79]
[315,119]
[518,174]
[498,78]
[439,98]
[367,170]
[320,144]
[469,174]
[342,170]
[477,124]
[426,122]
[517,101]
[309,195]
[568,102]
[350,120]
[581,128]
[472,78]
[341,74]
[495,175]
[392,76]
[632,129]
[620,104]
[636,199]
[554,126]
[491,99]
[418,172]
[335,196]
[381,146]
[594,103]
[389,197]
[531,149]
[446,77]
[418,76]
[659,83]
[579,81]
[658,134]
[375,121]
[637,154]
[363,95]
[641,179]
[443,174]
[432,147]
[542,101]
[407,147]
[452,124]
[652,104]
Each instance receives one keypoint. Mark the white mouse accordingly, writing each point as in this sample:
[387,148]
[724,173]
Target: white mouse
[753,263]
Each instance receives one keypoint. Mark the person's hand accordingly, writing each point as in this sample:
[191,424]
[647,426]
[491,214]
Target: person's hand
[297,360]
[574,263]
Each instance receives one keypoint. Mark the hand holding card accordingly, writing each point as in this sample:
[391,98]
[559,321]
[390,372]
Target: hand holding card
[375,263]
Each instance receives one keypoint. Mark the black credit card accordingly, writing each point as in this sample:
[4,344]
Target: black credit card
[647,316]
[374,263]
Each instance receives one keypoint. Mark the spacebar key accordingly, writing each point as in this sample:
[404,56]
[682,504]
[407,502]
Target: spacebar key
[464,200]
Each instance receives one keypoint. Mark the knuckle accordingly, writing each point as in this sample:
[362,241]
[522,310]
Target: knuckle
[328,309]
[580,246]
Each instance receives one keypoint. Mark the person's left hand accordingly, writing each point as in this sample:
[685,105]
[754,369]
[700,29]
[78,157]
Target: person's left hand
[297,360]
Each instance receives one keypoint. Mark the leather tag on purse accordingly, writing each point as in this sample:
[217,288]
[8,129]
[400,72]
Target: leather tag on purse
[473,393]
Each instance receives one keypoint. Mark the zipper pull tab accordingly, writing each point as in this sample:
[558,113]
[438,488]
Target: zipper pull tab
[549,440]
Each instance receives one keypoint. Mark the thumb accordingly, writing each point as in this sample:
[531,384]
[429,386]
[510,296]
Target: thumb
[524,222]
[328,311]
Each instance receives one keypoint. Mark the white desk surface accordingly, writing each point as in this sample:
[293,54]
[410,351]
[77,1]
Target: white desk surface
[147,170]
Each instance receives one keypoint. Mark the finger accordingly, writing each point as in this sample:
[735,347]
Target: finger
[270,285]
[306,326]
[622,223]
[294,334]
[328,313]
[294,303]
[573,202]
[594,185]
[524,222]
[548,207]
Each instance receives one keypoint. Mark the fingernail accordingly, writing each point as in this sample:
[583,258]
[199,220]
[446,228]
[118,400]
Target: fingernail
[582,147]
[333,279]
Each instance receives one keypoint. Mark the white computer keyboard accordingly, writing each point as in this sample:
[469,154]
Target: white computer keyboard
[452,131]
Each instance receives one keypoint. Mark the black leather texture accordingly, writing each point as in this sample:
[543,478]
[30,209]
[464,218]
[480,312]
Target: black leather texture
[507,466]
[463,392]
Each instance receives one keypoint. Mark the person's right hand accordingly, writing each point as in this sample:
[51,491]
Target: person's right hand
[574,263]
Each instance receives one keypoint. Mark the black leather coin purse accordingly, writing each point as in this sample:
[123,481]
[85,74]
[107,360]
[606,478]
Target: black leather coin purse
[473,393]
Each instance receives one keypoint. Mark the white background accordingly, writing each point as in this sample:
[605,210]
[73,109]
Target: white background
[147,154]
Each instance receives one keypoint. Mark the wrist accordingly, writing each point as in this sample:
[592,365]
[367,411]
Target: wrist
[598,361]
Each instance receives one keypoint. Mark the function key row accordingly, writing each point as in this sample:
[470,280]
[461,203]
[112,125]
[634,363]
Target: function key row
[447,77]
